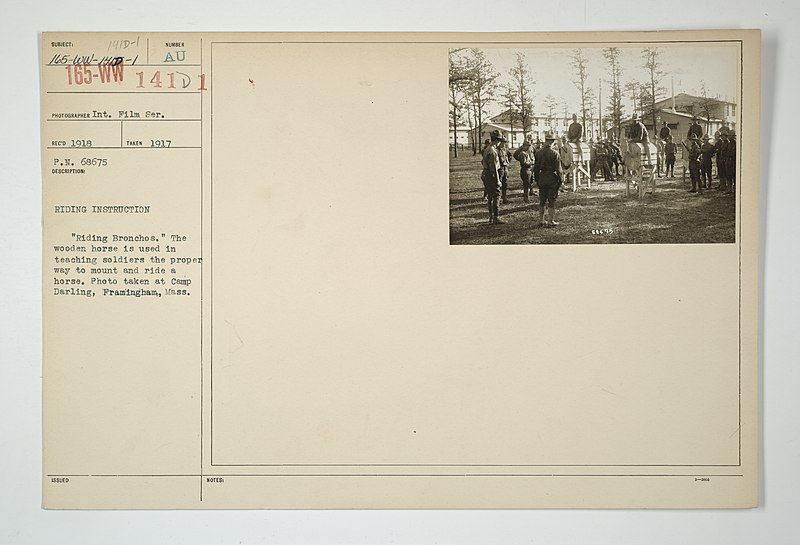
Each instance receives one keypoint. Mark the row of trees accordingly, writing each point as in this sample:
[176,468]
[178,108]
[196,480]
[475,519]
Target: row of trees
[474,87]
[643,95]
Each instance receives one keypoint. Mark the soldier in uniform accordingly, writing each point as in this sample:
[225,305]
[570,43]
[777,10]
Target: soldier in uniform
[564,151]
[665,131]
[670,150]
[486,144]
[575,135]
[695,129]
[616,155]
[602,162]
[694,164]
[720,144]
[575,130]
[707,152]
[592,158]
[547,173]
[610,151]
[638,133]
[730,162]
[504,157]
[525,155]
[491,176]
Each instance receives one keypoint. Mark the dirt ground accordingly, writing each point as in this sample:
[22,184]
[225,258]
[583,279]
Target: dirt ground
[602,214]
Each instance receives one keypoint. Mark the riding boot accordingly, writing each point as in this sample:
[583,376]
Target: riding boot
[497,220]
[552,209]
[491,210]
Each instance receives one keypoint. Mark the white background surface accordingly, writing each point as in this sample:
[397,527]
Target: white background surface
[777,521]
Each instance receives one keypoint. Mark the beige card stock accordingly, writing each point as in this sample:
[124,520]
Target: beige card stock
[254,298]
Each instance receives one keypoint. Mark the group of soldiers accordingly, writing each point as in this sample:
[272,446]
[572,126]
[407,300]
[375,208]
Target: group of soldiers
[541,165]
[538,165]
[701,156]
[607,154]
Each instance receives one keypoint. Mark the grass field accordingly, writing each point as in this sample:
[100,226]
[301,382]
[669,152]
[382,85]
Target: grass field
[672,215]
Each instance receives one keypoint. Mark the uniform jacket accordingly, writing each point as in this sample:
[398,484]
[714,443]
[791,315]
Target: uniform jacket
[524,155]
[504,156]
[546,168]
[694,153]
[730,150]
[707,150]
[720,147]
[490,161]
[638,132]
[575,131]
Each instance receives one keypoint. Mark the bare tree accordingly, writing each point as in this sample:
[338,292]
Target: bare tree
[589,131]
[653,88]
[510,102]
[481,89]
[471,126]
[565,106]
[459,80]
[581,66]
[707,105]
[523,83]
[632,91]
[551,103]
[614,108]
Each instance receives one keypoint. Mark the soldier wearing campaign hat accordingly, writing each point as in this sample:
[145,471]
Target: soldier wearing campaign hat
[694,163]
[637,131]
[707,152]
[505,157]
[525,154]
[638,134]
[491,176]
[720,144]
[665,131]
[695,128]
[730,162]
[670,150]
[547,173]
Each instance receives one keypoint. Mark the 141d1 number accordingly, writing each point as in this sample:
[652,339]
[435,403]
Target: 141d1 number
[171,78]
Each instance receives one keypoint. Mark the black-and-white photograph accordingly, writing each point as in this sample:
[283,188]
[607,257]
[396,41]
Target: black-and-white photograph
[612,143]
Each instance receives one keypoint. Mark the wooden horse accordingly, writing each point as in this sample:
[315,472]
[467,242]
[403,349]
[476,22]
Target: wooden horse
[575,162]
[640,166]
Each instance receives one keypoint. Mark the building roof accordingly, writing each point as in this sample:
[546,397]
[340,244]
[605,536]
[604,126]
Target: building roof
[683,114]
[694,98]
[670,111]
[504,126]
[537,115]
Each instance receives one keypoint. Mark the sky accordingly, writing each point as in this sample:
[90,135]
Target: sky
[686,65]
